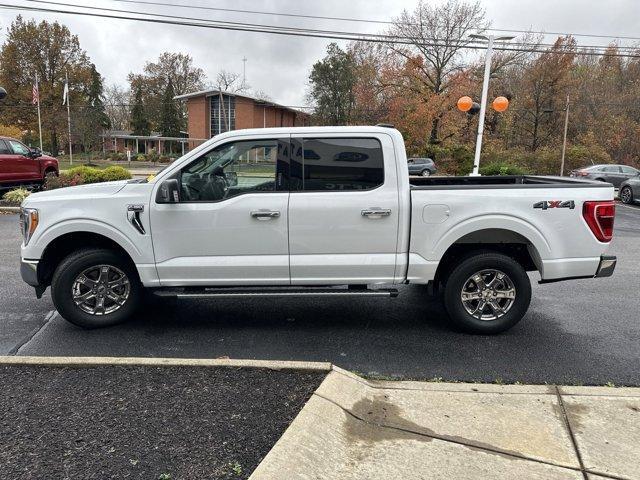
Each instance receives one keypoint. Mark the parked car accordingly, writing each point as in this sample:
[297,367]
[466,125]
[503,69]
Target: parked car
[614,174]
[421,166]
[313,227]
[630,190]
[21,165]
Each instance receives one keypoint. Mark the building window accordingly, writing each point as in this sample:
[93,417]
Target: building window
[223,114]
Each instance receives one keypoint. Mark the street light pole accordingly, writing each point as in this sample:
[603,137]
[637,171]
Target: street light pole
[564,140]
[483,101]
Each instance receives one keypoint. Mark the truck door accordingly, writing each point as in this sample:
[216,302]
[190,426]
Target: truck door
[343,209]
[230,226]
[24,167]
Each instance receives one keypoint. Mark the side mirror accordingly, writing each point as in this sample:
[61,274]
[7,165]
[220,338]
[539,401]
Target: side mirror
[169,191]
[35,152]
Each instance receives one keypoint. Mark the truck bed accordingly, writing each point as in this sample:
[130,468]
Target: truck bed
[501,181]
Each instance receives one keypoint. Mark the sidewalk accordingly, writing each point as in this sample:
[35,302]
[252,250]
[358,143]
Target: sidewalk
[352,428]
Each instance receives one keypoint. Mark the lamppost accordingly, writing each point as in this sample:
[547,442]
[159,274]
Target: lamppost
[490,39]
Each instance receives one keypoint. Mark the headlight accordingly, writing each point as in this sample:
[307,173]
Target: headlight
[28,223]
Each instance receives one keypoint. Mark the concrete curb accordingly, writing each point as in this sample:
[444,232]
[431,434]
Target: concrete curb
[10,209]
[164,362]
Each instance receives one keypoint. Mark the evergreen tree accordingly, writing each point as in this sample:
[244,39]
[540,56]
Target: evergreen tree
[139,121]
[169,115]
[92,120]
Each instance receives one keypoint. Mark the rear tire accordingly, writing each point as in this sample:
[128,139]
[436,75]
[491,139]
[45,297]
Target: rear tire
[95,288]
[493,278]
[425,173]
[626,195]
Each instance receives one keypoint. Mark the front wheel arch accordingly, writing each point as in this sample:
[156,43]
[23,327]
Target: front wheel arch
[59,248]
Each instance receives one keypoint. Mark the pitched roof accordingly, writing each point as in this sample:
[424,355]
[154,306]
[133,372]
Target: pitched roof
[215,91]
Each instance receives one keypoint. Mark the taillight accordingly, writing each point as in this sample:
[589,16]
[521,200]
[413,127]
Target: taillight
[583,173]
[599,216]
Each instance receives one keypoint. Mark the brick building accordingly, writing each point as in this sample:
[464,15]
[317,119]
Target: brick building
[211,112]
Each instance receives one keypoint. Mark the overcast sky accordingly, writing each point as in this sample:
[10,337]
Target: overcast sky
[280,65]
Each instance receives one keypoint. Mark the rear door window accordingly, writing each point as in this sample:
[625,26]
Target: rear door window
[4,148]
[337,164]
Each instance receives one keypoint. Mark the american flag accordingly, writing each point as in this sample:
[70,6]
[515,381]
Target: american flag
[35,94]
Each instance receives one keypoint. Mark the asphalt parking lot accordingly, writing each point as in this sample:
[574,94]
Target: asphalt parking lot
[580,332]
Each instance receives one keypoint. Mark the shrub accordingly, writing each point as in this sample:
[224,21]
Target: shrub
[16,196]
[82,175]
[64,180]
[497,168]
[140,157]
[153,156]
[88,174]
[113,173]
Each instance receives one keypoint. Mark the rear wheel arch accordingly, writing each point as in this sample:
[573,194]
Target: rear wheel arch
[504,241]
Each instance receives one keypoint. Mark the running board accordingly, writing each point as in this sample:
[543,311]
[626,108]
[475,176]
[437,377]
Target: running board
[274,292]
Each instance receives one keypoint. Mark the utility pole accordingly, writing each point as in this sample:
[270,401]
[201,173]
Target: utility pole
[244,71]
[564,140]
[37,100]
[66,97]
[483,101]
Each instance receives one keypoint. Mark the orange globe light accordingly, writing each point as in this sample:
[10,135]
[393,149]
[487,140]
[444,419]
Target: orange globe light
[500,104]
[465,103]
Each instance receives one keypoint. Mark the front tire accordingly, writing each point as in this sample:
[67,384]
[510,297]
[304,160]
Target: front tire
[95,288]
[626,195]
[487,293]
[425,173]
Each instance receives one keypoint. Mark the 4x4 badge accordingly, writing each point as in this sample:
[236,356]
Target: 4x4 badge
[546,204]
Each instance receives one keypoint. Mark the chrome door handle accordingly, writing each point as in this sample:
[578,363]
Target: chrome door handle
[265,214]
[376,212]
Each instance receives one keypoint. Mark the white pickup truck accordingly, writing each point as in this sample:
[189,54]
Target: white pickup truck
[327,211]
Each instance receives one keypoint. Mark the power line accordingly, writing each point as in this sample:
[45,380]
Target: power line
[357,20]
[289,31]
[386,37]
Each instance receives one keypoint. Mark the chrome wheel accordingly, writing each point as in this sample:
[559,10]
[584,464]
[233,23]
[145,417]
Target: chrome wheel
[426,173]
[626,195]
[101,289]
[488,294]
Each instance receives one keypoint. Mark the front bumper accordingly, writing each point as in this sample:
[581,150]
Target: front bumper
[607,266]
[29,272]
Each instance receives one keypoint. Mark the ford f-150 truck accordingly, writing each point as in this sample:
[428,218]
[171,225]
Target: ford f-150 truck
[315,211]
[20,164]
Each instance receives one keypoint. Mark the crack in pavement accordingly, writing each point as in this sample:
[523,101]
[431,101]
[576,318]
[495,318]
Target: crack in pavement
[479,446]
[16,349]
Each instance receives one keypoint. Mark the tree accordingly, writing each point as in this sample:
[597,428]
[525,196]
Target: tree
[177,67]
[139,120]
[437,35]
[50,50]
[543,90]
[92,120]
[332,81]
[116,101]
[231,82]
[170,118]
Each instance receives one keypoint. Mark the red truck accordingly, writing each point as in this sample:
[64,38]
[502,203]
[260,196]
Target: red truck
[20,165]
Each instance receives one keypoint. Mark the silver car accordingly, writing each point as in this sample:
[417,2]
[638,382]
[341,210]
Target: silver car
[630,190]
[614,174]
